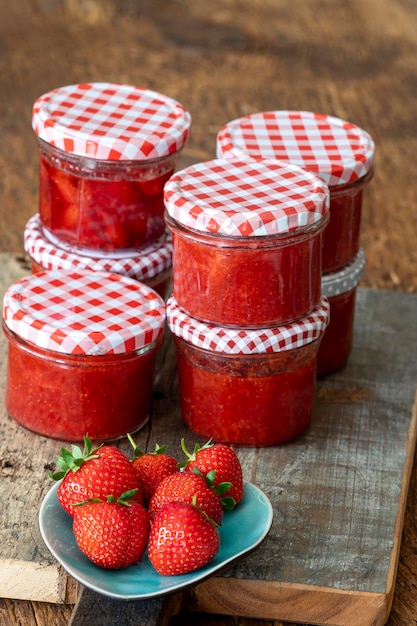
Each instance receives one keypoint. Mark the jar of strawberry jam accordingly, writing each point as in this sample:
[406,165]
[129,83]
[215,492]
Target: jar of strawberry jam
[81,353]
[151,264]
[246,241]
[340,288]
[247,387]
[339,152]
[105,152]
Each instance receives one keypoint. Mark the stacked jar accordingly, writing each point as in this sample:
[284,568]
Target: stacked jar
[247,313]
[84,328]
[106,151]
[342,155]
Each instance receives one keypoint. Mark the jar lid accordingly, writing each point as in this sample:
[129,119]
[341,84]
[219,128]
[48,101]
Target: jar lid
[81,312]
[247,341]
[337,151]
[111,122]
[246,198]
[344,280]
[54,254]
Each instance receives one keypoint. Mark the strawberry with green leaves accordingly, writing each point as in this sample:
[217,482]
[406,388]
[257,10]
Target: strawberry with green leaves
[189,487]
[152,467]
[112,533]
[182,539]
[218,458]
[94,473]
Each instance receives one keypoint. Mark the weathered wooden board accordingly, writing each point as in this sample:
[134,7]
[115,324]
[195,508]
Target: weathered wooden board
[338,491]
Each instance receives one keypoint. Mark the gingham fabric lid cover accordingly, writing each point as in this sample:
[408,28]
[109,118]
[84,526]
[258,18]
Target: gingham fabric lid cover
[247,341]
[78,312]
[111,122]
[338,151]
[245,198]
[52,254]
[344,280]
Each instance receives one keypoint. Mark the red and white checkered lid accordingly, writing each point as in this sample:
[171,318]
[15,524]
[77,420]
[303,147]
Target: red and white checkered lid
[344,280]
[246,198]
[111,122]
[53,254]
[247,341]
[79,313]
[338,151]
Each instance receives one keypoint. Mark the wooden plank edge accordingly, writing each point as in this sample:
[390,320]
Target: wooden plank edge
[271,600]
[38,582]
[408,468]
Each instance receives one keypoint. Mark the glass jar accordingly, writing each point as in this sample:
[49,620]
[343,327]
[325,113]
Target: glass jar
[81,353]
[247,387]
[105,153]
[340,289]
[246,241]
[337,151]
[150,264]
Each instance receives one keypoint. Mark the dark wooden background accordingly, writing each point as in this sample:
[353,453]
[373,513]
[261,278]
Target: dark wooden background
[356,59]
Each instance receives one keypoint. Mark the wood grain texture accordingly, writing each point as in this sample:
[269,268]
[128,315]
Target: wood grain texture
[352,59]
[109,612]
[338,491]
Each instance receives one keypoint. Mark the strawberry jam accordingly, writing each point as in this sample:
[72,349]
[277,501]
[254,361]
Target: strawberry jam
[340,289]
[81,355]
[105,153]
[247,387]
[337,151]
[246,241]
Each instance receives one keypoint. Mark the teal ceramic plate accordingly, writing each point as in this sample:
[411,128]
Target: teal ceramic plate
[241,531]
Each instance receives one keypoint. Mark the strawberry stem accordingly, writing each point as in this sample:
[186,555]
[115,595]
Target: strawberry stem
[72,460]
[138,452]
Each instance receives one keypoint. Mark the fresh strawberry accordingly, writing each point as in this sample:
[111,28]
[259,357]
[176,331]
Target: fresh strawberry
[182,539]
[221,459]
[112,533]
[94,473]
[186,487]
[152,467]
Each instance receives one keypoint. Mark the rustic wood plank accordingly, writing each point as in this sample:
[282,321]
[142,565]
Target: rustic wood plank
[338,491]
[106,612]
[344,482]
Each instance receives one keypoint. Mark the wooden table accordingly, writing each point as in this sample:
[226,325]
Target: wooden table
[338,492]
[356,60]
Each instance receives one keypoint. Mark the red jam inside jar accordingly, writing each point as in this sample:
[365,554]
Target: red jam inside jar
[246,242]
[105,153]
[340,289]
[81,353]
[260,398]
[341,237]
[151,264]
[337,151]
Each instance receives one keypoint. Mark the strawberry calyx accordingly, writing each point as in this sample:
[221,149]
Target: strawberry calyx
[72,460]
[124,499]
[138,452]
[228,503]
[191,456]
